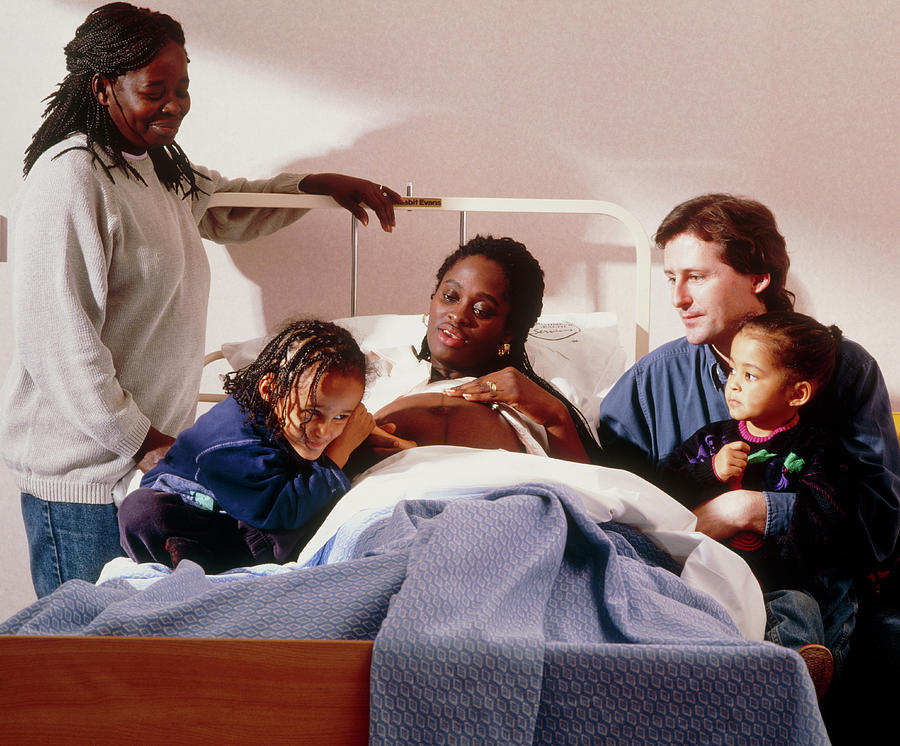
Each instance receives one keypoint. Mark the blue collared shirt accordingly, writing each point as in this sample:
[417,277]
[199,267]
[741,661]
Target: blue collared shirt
[678,388]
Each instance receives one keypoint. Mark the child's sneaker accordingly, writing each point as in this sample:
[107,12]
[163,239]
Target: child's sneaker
[820,664]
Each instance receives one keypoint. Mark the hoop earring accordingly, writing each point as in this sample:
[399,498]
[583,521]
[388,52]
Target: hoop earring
[503,350]
[425,319]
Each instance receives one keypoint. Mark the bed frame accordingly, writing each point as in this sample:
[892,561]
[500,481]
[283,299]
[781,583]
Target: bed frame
[121,689]
[465,205]
[98,690]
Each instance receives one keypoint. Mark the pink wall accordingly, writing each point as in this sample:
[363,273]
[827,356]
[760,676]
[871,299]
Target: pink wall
[643,103]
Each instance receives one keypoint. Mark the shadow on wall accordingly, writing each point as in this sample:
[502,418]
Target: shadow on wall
[305,268]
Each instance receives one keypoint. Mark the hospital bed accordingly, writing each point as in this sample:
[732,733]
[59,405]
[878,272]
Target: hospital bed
[114,664]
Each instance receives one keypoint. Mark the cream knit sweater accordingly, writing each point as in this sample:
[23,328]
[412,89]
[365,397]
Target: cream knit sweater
[111,284]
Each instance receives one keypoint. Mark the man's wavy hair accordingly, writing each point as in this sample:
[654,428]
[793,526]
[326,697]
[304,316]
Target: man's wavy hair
[748,234]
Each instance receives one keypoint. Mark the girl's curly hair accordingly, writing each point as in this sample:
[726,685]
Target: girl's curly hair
[305,345]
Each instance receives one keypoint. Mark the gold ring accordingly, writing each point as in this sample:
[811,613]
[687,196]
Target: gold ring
[492,386]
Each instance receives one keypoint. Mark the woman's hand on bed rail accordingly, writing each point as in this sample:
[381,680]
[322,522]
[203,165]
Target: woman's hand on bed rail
[352,193]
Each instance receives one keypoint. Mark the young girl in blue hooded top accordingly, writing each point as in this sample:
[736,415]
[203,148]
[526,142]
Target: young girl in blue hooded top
[252,478]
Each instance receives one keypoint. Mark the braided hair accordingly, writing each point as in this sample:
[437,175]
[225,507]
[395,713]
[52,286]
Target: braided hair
[113,40]
[524,278]
[302,346]
[525,295]
[799,344]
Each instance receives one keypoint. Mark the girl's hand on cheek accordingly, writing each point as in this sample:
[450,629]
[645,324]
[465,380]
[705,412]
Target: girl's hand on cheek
[359,425]
[385,441]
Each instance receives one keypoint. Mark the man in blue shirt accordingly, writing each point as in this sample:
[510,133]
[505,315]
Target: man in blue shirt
[725,260]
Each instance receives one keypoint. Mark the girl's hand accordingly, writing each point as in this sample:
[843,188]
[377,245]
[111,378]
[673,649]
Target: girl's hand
[383,441]
[352,193]
[731,461]
[359,425]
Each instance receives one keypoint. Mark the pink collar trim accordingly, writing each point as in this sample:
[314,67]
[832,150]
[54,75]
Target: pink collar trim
[750,438]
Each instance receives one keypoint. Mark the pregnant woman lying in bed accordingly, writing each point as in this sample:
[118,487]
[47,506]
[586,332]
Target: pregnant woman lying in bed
[476,386]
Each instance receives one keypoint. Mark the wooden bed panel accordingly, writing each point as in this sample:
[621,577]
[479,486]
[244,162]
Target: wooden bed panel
[128,690]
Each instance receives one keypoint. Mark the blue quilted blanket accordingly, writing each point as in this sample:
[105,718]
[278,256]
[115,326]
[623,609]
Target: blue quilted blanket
[509,617]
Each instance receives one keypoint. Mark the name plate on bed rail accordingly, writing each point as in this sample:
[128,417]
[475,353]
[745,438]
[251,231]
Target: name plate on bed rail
[422,202]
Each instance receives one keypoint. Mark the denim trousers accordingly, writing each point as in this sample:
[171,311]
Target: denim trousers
[68,540]
[795,618]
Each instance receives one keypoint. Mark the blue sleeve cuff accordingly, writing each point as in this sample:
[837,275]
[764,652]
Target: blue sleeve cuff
[779,510]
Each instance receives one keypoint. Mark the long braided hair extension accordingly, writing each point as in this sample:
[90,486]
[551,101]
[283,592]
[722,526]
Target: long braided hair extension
[525,279]
[114,39]
[306,345]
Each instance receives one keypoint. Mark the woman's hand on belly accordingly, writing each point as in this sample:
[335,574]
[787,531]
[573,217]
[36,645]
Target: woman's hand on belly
[435,419]
[512,387]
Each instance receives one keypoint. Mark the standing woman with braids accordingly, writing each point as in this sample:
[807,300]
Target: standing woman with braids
[245,483]
[111,283]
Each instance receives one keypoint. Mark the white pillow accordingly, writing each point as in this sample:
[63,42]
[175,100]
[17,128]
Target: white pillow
[579,353]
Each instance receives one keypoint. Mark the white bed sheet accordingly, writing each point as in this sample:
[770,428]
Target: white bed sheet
[608,494]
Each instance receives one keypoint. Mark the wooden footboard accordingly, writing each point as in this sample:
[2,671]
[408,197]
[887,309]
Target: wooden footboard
[128,690]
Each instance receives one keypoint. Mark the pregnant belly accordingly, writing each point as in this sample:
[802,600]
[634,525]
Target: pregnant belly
[434,419]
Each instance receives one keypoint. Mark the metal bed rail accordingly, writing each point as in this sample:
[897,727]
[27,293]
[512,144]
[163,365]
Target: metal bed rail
[465,205]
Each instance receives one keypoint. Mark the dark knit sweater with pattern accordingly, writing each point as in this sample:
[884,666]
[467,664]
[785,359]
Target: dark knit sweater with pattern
[805,461]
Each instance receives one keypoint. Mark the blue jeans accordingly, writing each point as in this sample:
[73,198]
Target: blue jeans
[795,618]
[68,540]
